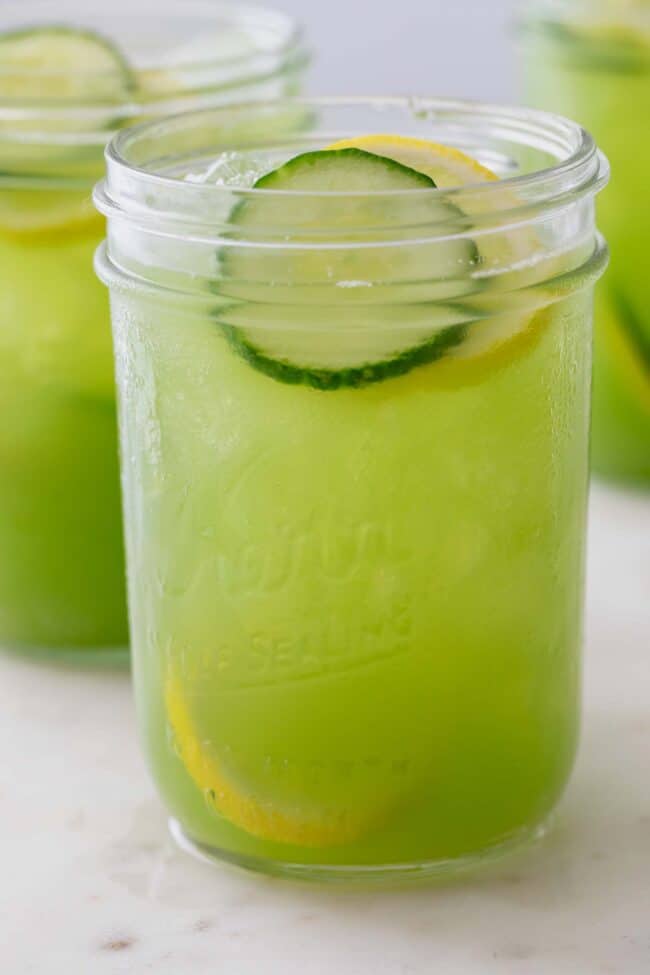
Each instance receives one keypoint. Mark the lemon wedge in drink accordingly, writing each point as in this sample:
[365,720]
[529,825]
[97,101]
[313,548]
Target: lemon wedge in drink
[446,166]
[248,808]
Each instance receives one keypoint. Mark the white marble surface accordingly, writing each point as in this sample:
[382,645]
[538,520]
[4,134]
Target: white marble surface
[90,883]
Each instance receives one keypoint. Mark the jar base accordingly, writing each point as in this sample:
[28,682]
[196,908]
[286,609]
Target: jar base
[381,875]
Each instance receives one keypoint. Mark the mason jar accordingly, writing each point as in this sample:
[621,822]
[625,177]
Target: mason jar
[591,60]
[63,91]
[354,431]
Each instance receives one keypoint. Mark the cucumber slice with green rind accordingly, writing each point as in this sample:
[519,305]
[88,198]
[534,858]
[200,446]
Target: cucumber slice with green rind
[56,62]
[339,196]
[320,171]
[53,66]
[335,354]
[320,240]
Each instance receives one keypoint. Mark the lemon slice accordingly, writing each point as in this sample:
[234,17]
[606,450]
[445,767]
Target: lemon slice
[446,166]
[488,341]
[450,168]
[241,806]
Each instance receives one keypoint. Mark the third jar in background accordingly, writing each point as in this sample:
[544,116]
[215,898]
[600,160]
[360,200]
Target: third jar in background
[591,61]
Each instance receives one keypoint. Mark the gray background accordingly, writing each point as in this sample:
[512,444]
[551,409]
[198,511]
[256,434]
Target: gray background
[459,48]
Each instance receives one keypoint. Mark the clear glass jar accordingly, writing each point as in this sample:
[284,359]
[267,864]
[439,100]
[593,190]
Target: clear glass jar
[591,60]
[61,560]
[355,475]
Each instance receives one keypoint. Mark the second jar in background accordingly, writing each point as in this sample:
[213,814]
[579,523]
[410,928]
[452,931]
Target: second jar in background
[63,90]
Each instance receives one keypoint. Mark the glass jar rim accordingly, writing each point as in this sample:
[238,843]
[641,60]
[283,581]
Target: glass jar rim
[89,119]
[130,187]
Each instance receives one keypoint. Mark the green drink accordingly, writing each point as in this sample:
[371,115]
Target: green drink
[592,62]
[354,414]
[63,90]
[61,564]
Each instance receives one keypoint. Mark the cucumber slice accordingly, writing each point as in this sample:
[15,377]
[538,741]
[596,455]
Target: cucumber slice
[360,342]
[52,65]
[342,347]
[60,63]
